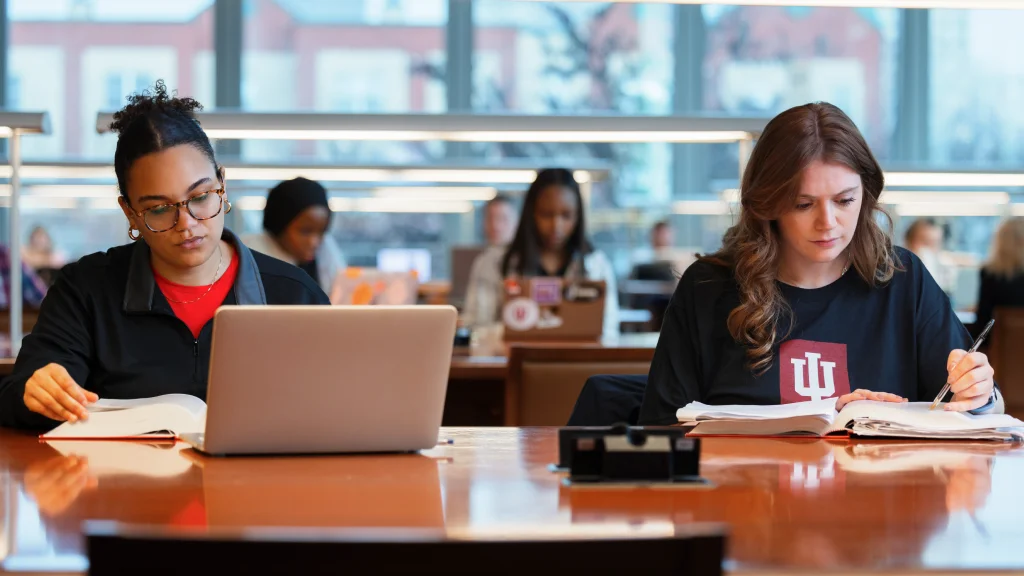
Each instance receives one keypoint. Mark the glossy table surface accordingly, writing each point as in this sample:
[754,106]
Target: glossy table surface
[787,504]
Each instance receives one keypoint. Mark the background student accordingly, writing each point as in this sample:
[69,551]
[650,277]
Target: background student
[551,240]
[500,221]
[295,224]
[137,320]
[1002,277]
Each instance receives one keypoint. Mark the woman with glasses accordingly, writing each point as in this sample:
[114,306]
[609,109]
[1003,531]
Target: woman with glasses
[136,321]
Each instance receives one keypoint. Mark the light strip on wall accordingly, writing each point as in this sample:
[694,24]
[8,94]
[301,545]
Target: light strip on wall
[473,127]
[398,205]
[946,4]
[278,173]
[437,193]
[625,137]
[947,179]
[701,207]
[381,205]
[986,197]
[950,209]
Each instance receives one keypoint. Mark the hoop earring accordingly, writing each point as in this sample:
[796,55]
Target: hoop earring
[133,233]
[228,209]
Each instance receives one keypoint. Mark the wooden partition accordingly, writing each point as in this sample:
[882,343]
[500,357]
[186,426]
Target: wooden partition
[544,381]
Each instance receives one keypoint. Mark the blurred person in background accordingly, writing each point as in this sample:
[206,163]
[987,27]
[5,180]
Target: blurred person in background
[500,221]
[925,238]
[40,255]
[551,240]
[1002,277]
[295,224]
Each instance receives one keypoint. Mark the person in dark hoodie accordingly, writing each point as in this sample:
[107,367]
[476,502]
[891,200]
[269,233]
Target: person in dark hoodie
[295,223]
[807,299]
[137,321]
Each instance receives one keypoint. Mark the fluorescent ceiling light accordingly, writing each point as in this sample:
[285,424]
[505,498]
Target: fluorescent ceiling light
[24,122]
[943,179]
[950,4]
[625,137]
[986,197]
[439,193]
[453,175]
[398,205]
[950,209]
[1017,209]
[473,127]
[41,203]
[441,174]
[701,207]
[371,205]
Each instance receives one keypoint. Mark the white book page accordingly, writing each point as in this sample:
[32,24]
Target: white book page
[194,405]
[697,411]
[136,421]
[917,416]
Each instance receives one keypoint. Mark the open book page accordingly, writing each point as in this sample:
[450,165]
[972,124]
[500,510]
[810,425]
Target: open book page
[813,425]
[194,405]
[177,414]
[696,411]
[127,458]
[803,418]
[915,420]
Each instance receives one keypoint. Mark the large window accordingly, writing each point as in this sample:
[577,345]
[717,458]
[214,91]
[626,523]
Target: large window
[581,58]
[977,86]
[74,59]
[371,56]
[763,60]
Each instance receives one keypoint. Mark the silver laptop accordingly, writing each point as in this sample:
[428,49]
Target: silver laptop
[320,379]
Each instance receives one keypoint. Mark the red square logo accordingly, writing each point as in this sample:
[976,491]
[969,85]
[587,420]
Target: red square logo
[812,371]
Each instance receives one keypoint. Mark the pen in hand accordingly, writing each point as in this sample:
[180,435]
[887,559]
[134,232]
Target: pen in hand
[974,348]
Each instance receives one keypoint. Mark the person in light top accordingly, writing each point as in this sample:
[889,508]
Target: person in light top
[551,240]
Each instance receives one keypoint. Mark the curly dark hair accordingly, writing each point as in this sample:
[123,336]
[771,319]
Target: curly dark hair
[155,120]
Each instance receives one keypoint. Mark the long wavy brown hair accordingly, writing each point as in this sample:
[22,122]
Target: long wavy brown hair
[771,182]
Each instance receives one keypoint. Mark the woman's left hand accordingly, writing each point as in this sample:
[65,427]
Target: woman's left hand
[971,380]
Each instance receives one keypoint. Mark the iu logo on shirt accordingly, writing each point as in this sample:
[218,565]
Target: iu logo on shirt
[812,371]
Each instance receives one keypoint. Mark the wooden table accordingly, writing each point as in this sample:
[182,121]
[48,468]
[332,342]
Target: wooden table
[885,507]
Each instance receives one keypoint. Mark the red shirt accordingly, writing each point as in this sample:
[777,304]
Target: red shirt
[198,313]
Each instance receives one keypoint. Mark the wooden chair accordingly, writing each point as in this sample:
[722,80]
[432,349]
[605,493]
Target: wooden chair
[544,381]
[1006,353]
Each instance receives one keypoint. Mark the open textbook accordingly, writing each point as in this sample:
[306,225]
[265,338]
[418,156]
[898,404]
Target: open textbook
[167,416]
[860,418]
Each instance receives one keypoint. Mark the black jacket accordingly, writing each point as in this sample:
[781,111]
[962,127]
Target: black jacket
[109,325]
[997,292]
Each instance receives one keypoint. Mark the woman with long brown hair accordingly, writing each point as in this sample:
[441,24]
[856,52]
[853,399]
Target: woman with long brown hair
[808,298]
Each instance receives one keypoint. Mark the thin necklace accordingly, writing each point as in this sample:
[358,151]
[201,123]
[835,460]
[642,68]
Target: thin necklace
[220,262]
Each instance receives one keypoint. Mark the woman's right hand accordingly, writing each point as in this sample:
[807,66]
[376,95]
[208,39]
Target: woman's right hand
[53,393]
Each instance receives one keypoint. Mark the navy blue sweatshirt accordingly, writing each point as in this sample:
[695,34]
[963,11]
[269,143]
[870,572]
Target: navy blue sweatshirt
[847,335]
